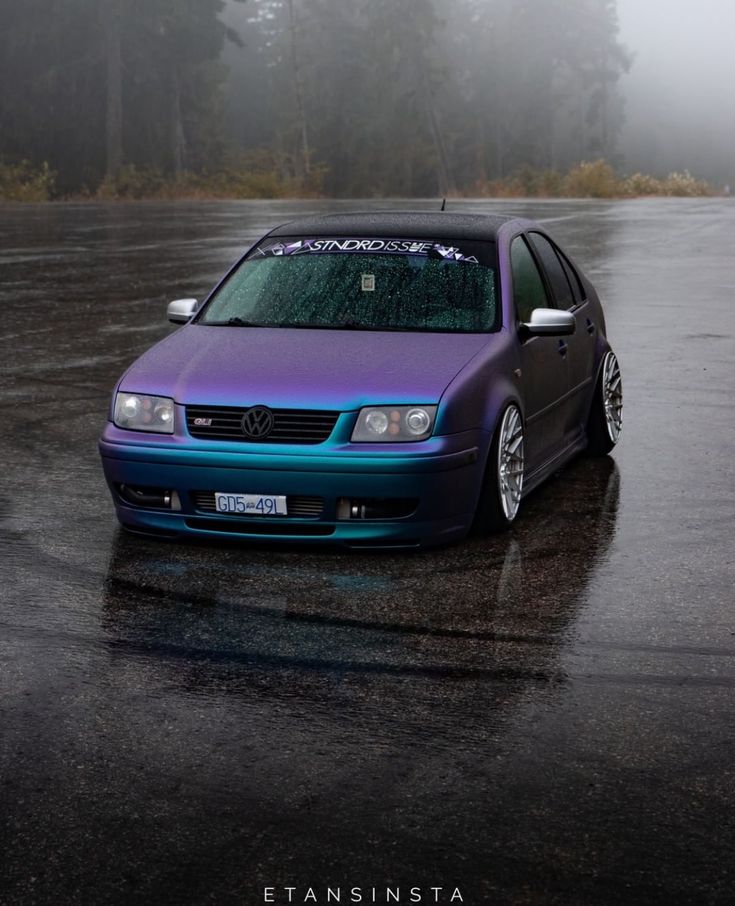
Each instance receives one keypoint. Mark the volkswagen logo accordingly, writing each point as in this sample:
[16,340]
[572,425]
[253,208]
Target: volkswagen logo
[257,423]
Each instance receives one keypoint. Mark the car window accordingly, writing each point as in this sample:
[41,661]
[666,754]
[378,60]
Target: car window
[577,289]
[529,291]
[364,284]
[554,271]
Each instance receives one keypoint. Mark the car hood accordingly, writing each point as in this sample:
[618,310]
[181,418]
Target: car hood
[291,368]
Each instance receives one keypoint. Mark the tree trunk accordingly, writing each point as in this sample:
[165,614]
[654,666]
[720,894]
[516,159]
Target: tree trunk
[178,141]
[604,107]
[113,52]
[445,178]
[303,128]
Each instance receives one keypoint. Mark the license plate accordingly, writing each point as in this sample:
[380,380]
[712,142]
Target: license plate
[250,504]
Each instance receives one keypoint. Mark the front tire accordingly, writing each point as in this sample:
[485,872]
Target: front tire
[500,497]
[606,416]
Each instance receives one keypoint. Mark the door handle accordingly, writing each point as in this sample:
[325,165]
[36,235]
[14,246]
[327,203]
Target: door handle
[562,348]
[590,327]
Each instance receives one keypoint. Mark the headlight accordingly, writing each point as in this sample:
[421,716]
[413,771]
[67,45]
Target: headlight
[386,424]
[138,412]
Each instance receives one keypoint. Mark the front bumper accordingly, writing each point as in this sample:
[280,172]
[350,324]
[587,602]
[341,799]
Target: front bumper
[443,475]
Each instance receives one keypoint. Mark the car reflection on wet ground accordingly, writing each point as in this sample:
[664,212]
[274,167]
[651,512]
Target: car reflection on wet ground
[543,716]
[363,615]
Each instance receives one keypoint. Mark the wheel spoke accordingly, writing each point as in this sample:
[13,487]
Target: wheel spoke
[514,445]
[510,462]
[612,396]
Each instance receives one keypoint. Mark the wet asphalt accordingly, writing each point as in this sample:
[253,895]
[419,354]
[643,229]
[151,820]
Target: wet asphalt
[542,717]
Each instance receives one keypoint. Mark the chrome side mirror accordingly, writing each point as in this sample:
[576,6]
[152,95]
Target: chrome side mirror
[550,322]
[182,310]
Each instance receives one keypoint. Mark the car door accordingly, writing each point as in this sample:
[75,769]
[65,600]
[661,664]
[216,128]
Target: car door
[544,373]
[568,294]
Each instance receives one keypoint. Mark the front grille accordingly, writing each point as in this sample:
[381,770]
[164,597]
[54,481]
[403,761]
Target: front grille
[290,426]
[298,507]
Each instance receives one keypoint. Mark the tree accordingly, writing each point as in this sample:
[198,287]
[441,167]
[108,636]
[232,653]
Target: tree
[112,23]
[358,97]
[98,84]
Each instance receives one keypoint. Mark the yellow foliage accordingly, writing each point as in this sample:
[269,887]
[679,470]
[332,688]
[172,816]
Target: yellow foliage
[591,179]
[262,174]
[684,184]
[21,182]
[255,175]
[640,184]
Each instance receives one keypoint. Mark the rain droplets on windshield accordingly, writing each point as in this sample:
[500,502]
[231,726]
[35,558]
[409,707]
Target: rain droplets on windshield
[428,291]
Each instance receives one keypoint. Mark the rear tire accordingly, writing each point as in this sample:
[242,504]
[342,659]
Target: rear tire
[500,497]
[606,416]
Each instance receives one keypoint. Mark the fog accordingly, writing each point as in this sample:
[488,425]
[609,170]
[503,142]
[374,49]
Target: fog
[676,110]
[679,102]
[350,98]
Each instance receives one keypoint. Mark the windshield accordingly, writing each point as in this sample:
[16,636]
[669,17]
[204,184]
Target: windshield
[362,284]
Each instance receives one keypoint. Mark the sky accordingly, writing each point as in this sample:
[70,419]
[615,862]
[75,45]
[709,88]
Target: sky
[688,46]
[679,92]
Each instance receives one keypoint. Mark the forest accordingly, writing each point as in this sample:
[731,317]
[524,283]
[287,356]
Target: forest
[343,98]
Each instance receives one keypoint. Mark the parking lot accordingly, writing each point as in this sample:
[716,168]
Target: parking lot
[540,717]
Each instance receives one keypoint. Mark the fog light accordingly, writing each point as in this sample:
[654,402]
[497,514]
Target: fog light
[152,498]
[360,508]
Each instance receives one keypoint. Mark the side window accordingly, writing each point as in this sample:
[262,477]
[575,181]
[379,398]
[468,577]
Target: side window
[554,271]
[528,287]
[573,277]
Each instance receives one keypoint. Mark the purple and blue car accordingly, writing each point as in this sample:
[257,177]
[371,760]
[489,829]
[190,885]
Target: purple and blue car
[370,380]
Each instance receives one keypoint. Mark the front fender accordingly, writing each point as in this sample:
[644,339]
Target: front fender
[478,395]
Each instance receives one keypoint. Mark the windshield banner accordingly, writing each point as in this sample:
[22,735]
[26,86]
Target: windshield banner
[363,247]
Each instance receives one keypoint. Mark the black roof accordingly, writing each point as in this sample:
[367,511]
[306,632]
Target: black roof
[395,225]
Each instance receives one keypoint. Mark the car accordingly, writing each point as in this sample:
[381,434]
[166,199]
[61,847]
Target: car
[370,380]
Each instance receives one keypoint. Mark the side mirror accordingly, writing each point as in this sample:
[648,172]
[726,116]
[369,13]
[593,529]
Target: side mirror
[182,310]
[550,322]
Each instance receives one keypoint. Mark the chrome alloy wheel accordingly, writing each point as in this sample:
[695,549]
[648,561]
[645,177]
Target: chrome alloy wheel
[510,462]
[612,396]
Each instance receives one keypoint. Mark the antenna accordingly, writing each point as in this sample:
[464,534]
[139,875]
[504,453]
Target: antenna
[444,205]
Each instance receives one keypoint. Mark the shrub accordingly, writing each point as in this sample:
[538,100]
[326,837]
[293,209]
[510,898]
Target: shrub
[642,184]
[538,183]
[685,185]
[132,182]
[592,179]
[254,175]
[21,182]
[497,188]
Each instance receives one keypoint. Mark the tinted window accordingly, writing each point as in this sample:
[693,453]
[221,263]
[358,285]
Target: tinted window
[528,287]
[573,277]
[554,271]
[370,284]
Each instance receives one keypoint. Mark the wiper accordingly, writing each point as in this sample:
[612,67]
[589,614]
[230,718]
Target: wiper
[305,325]
[233,322]
[354,325]
[350,325]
